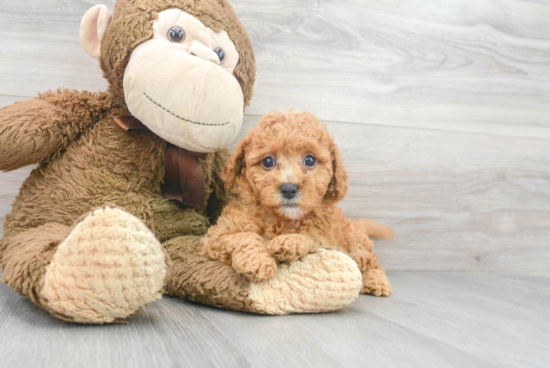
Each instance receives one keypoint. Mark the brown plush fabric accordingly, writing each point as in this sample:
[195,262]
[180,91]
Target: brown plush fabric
[23,262]
[86,160]
[33,130]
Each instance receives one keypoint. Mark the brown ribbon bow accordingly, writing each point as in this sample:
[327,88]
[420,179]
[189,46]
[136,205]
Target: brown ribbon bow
[183,177]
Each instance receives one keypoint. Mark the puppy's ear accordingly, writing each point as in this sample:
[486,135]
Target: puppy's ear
[338,187]
[236,164]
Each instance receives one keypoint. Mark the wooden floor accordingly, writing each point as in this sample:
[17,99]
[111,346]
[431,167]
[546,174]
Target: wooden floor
[442,112]
[437,319]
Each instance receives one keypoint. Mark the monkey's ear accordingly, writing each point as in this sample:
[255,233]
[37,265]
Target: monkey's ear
[92,29]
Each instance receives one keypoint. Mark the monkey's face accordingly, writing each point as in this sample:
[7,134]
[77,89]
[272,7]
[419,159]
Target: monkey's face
[180,84]
[186,75]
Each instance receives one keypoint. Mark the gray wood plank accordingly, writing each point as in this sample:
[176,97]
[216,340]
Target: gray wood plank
[469,66]
[432,320]
[476,312]
[464,66]
[32,62]
[51,10]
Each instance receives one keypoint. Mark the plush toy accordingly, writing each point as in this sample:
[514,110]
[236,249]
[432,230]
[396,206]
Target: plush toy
[128,180]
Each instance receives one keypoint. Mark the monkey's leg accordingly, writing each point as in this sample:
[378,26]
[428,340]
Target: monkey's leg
[102,270]
[323,281]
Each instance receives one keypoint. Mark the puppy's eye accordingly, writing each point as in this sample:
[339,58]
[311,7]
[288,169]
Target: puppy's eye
[176,34]
[221,54]
[310,161]
[268,162]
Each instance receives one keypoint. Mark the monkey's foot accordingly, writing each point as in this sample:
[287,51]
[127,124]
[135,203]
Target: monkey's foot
[321,282]
[375,282]
[109,266]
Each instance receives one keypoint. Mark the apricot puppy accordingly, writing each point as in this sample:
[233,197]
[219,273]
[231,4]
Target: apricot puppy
[288,176]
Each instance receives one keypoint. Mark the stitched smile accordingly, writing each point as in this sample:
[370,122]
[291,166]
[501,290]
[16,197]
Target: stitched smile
[179,117]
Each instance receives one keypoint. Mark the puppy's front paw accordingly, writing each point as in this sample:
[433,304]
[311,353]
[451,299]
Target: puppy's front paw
[375,282]
[255,267]
[289,247]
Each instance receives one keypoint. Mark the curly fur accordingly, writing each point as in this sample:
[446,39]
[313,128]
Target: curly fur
[260,227]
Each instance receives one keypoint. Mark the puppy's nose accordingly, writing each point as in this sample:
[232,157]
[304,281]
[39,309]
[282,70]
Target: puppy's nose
[289,191]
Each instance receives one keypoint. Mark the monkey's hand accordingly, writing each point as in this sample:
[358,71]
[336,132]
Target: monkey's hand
[33,130]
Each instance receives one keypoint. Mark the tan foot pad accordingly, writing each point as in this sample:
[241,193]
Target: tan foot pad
[322,282]
[108,267]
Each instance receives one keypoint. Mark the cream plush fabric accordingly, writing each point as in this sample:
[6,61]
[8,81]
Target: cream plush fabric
[92,29]
[302,286]
[109,266]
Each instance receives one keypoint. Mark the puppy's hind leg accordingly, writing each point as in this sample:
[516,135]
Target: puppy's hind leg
[361,249]
[375,282]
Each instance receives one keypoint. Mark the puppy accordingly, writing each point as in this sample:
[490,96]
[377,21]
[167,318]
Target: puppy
[288,176]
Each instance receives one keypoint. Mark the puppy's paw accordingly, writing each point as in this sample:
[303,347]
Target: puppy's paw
[289,247]
[255,267]
[375,282]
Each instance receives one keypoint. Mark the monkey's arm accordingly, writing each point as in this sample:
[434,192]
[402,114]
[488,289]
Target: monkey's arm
[33,130]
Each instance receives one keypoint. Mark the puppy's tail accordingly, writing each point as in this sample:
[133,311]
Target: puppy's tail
[377,231]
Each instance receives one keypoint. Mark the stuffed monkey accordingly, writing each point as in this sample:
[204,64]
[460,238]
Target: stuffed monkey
[128,179]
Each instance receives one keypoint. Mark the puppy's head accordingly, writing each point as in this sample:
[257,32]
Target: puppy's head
[289,163]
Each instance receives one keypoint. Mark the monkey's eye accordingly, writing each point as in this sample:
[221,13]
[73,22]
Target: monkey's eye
[176,34]
[310,161]
[221,54]
[268,162]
